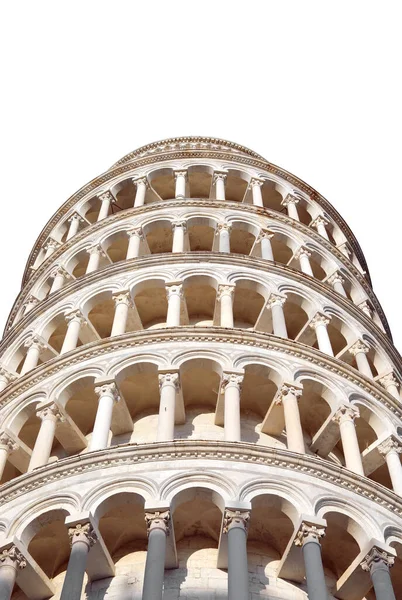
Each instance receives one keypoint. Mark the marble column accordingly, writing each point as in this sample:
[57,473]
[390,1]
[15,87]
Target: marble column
[219,181]
[122,302]
[11,561]
[49,416]
[223,231]
[179,227]
[180,177]
[288,395]
[174,293]
[319,323]
[107,199]
[303,256]
[74,221]
[264,238]
[345,417]
[5,378]
[157,529]
[7,445]
[308,538]
[169,386]
[320,223]
[366,308]
[60,275]
[34,344]
[378,562]
[291,203]
[255,186]
[390,449]
[50,247]
[359,351]
[231,388]
[108,394]
[235,525]
[136,236]
[82,538]
[141,184]
[337,281]
[95,253]
[225,298]
[75,320]
[275,303]
[390,383]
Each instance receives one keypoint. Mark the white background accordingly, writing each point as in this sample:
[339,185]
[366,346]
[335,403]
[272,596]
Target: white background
[312,86]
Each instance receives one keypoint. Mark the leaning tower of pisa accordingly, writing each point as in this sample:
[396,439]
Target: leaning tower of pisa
[199,393]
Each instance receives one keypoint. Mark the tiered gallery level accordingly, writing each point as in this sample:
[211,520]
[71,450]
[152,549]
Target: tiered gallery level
[199,394]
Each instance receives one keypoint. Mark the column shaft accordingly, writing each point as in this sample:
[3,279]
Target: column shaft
[266,249]
[58,283]
[232,413]
[316,586]
[134,245]
[93,263]
[180,187]
[100,434]
[174,306]
[227,310]
[31,359]
[256,192]
[104,209]
[350,446]
[74,225]
[4,452]
[220,187]
[305,265]
[237,564]
[8,575]
[140,193]
[154,565]
[120,318]
[178,238]
[224,239]
[72,335]
[74,579]
[294,432]
[324,343]
[43,444]
[167,405]
[278,320]
[395,470]
[363,364]
[382,581]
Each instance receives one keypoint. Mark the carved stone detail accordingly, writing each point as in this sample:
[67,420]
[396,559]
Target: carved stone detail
[7,442]
[231,380]
[82,532]
[169,379]
[276,299]
[391,444]
[13,557]
[319,319]
[225,289]
[285,390]
[309,532]
[108,389]
[51,412]
[158,520]
[346,412]
[376,556]
[359,346]
[235,517]
[74,315]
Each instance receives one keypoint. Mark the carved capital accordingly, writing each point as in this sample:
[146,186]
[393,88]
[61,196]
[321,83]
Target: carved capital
[174,288]
[13,557]
[137,232]
[122,297]
[376,557]
[107,196]
[140,181]
[359,346]
[290,199]
[50,413]
[75,217]
[180,173]
[96,249]
[265,234]
[255,182]
[158,520]
[391,444]
[223,227]
[7,376]
[82,532]
[51,243]
[31,301]
[171,379]
[302,251]
[7,443]
[235,518]
[276,300]
[219,175]
[74,315]
[320,220]
[288,389]
[335,278]
[308,533]
[319,319]
[365,306]
[388,380]
[59,270]
[35,341]
[179,223]
[232,380]
[108,389]
[225,289]
[346,412]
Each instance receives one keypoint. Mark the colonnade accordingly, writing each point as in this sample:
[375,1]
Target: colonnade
[83,537]
[283,415]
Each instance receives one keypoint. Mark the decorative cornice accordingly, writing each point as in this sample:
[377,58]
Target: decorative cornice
[181,450]
[194,202]
[210,336]
[256,162]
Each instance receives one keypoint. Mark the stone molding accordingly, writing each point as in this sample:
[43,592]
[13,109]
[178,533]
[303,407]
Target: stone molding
[265,341]
[194,202]
[13,557]
[180,450]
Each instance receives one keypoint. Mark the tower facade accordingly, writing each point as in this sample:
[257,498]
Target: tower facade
[199,393]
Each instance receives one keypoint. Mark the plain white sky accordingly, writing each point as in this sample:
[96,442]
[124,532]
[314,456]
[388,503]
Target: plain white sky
[313,86]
